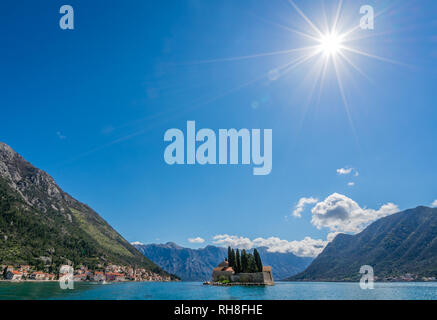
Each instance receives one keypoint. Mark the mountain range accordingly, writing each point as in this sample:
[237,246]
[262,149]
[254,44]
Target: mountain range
[197,264]
[402,246]
[42,226]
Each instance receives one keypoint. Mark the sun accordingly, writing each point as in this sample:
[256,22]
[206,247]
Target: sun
[330,44]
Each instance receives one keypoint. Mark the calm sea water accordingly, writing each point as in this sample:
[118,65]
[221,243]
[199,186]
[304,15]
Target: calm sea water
[196,290]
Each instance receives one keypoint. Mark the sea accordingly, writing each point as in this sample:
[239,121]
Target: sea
[198,291]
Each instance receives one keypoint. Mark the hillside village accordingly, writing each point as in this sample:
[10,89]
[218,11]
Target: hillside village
[111,273]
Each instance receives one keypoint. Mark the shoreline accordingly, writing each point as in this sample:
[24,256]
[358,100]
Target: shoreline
[77,281]
[231,284]
[209,282]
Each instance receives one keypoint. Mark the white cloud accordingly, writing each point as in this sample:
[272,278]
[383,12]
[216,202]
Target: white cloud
[137,243]
[348,170]
[434,204]
[342,214]
[337,212]
[233,241]
[298,209]
[351,184]
[307,247]
[344,171]
[196,240]
[331,236]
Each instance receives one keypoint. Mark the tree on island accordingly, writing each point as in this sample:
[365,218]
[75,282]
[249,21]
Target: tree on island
[258,262]
[244,262]
[251,266]
[237,262]
[231,257]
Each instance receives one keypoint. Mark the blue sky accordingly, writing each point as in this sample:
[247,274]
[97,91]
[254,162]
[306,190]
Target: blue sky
[91,105]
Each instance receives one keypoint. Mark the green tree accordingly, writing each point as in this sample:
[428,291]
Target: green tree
[233,258]
[244,262]
[237,262]
[251,264]
[258,262]
[230,257]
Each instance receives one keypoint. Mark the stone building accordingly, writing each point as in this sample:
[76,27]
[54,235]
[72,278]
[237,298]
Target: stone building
[14,275]
[224,272]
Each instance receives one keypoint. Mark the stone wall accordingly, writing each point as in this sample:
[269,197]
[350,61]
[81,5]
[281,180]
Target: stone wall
[221,275]
[264,277]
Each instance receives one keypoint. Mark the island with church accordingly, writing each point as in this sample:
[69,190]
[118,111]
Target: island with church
[241,269]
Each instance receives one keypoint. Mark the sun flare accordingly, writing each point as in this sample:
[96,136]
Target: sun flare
[330,44]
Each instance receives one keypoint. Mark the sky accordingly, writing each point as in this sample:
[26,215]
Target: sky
[90,106]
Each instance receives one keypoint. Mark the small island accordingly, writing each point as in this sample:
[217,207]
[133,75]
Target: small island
[242,269]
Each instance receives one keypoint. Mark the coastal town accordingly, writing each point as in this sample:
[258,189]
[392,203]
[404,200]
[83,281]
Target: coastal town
[111,273]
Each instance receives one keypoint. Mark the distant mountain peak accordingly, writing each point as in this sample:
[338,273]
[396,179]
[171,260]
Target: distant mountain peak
[173,245]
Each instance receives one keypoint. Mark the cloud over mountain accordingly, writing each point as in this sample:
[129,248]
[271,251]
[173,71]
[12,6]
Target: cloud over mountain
[307,247]
[196,240]
[342,214]
[298,209]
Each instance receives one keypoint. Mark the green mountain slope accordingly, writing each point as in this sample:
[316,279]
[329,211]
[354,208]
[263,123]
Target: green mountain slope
[397,245]
[41,225]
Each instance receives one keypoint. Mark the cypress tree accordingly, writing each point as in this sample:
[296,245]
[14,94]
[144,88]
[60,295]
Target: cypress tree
[233,258]
[251,264]
[244,261]
[230,256]
[237,262]
[258,262]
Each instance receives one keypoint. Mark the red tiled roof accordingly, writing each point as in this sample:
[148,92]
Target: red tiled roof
[16,272]
[114,274]
[224,264]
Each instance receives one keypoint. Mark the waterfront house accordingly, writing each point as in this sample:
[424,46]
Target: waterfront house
[80,277]
[25,268]
[115,276]
[99,276]
[50,276]
[14,275]
[38,276]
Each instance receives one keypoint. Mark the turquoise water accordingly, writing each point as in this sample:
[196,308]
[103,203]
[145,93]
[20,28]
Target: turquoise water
[197,291]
